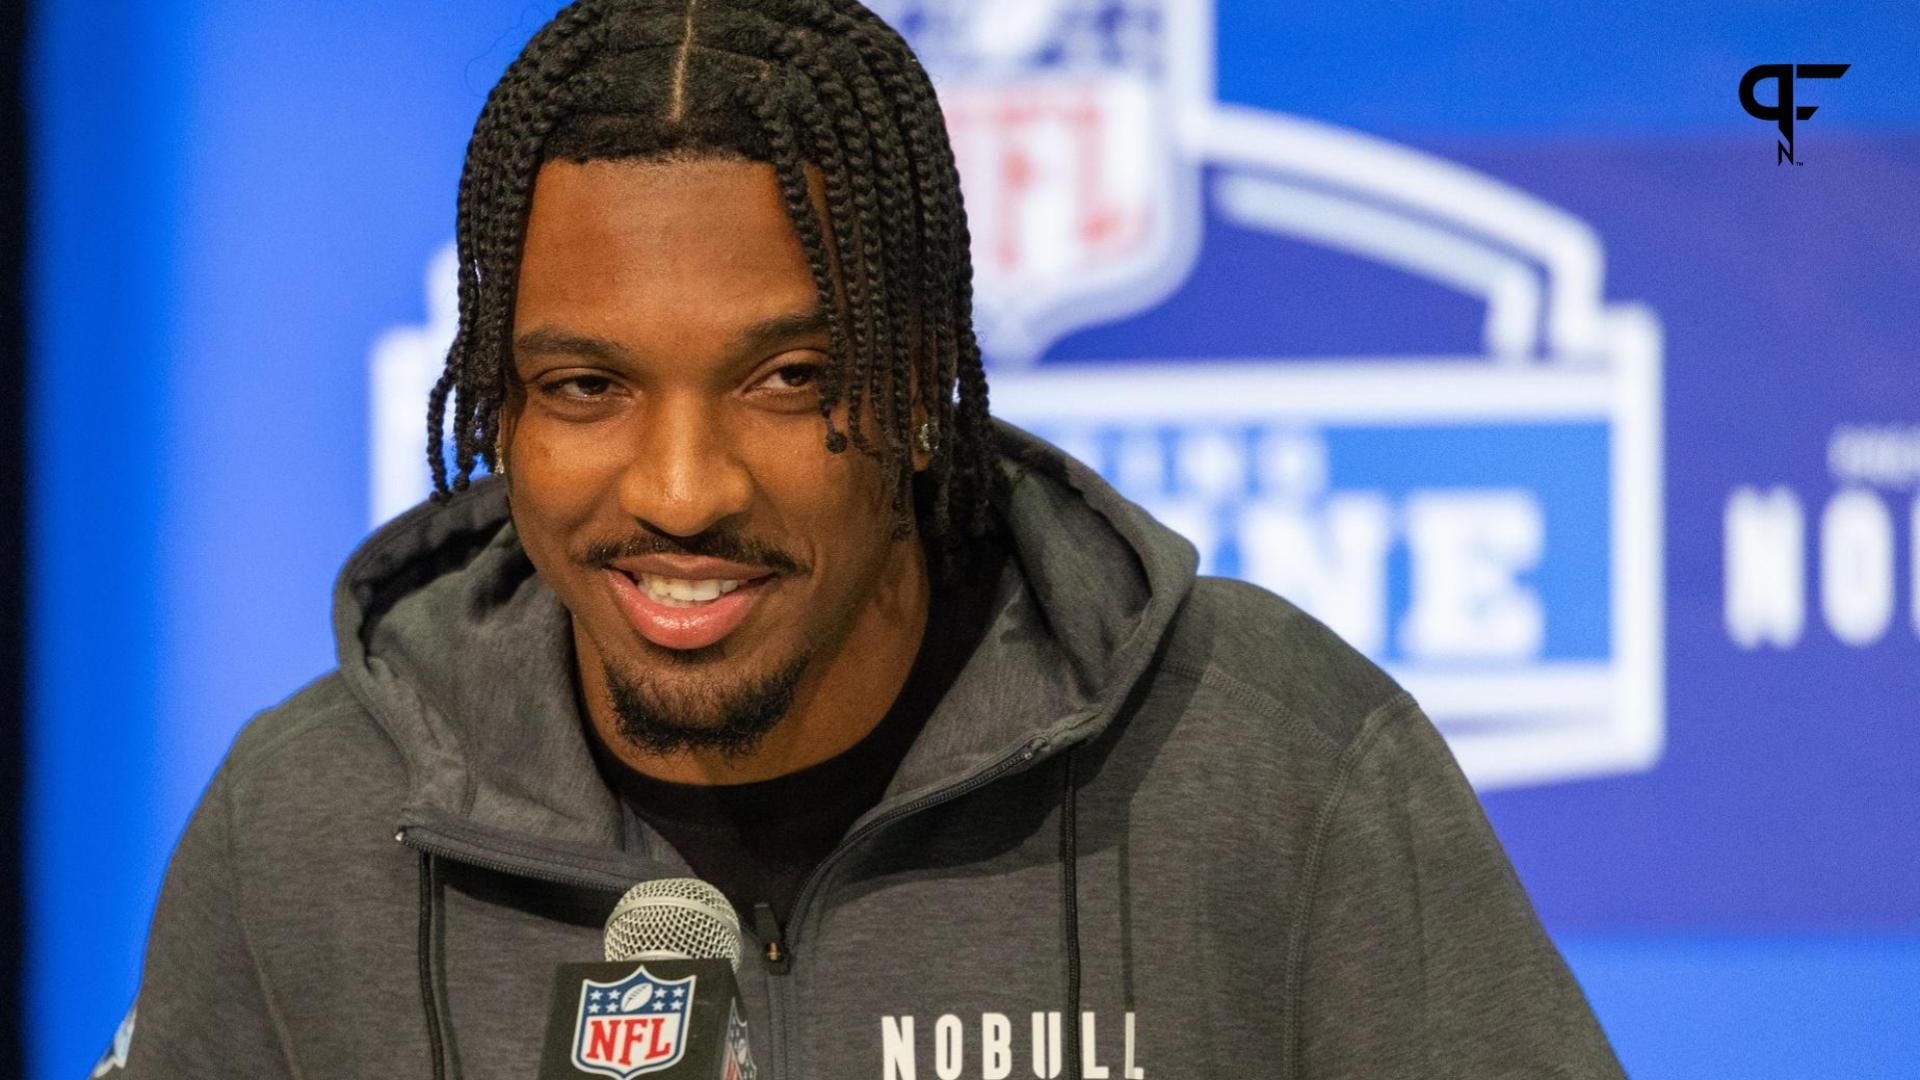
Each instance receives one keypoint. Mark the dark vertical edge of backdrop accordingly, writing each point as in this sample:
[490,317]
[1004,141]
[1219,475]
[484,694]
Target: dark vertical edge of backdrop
[13,525]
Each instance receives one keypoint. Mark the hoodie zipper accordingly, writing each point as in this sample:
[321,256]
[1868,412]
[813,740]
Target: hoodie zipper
[780,965]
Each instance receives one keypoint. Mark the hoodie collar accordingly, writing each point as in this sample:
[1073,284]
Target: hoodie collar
[455,645]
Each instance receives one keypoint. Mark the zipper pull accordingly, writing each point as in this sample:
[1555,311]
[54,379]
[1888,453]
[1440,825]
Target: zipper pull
[767,928]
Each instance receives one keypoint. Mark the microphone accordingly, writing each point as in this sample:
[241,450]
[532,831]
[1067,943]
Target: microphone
[664,1003]
[674,919]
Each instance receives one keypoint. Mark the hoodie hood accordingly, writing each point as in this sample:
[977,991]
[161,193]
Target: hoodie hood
[463,655]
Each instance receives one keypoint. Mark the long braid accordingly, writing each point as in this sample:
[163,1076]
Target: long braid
[971,472]
[844,154]
[887,229]
[522,111]
[976,475]
[791,175]
[894,221]
[468,294]
[890,221]
[931,161]
[824,64]
[476,223]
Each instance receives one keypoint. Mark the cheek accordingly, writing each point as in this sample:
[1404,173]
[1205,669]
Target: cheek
[557,487]
[794,472]
[830,509]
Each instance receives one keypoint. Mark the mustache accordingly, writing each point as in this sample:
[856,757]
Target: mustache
[713,545]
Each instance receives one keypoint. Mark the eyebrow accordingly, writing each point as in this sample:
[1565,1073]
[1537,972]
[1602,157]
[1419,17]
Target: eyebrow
[553,341]
[768,332]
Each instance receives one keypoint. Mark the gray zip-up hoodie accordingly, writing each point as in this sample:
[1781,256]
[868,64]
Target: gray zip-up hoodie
[1174,805]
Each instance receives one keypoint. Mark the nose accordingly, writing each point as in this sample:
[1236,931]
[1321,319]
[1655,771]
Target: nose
[686,475]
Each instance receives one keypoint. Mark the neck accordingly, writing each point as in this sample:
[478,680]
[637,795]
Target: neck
[843,695]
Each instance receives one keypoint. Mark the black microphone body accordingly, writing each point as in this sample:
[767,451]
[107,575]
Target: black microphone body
[664,1004]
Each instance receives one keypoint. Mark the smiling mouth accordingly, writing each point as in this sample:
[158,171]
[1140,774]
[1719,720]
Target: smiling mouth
[683,613]
[685,592]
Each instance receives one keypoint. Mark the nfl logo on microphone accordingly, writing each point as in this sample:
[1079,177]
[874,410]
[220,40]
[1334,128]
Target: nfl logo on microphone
[632,1027]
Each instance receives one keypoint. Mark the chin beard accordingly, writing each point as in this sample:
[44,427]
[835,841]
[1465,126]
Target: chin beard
[729,720]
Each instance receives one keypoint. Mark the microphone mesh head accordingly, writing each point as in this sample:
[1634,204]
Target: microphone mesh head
[673,918]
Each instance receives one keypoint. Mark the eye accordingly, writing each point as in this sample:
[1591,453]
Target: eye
[792,378]
[577,387]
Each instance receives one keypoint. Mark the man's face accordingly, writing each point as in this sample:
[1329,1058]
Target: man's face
[669,477]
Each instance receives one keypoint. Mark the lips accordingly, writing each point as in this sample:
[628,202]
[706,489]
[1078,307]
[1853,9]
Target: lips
[685,626]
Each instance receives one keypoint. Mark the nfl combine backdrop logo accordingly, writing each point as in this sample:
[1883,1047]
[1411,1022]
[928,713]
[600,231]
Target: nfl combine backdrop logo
[632,1027]
[1481,516]
[1062,115]
[1484,520]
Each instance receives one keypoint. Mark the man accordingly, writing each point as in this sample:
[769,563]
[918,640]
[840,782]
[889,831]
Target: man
[760,594]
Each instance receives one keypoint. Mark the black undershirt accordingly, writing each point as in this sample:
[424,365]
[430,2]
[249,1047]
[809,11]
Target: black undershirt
[758,842]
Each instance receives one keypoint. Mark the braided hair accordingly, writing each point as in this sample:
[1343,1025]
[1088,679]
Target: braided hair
[798,84]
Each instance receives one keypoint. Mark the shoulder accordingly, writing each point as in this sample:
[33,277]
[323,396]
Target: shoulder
[1244,737]
[1282,667]
[313,758]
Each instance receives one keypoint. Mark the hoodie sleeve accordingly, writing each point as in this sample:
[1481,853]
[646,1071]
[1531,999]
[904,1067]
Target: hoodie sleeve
[1422,956]
[201,1010]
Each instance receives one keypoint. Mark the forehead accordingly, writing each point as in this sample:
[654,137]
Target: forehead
[638,249]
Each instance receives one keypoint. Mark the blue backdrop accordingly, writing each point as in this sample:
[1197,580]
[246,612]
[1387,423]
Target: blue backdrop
[1501,340]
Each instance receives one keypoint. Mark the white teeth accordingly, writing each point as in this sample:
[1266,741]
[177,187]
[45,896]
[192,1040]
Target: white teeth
[682,592]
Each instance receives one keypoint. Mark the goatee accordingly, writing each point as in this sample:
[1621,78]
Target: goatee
[731,720]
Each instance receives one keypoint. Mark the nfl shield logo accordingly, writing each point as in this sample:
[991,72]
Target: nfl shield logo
[1066,123]
[632,1027]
